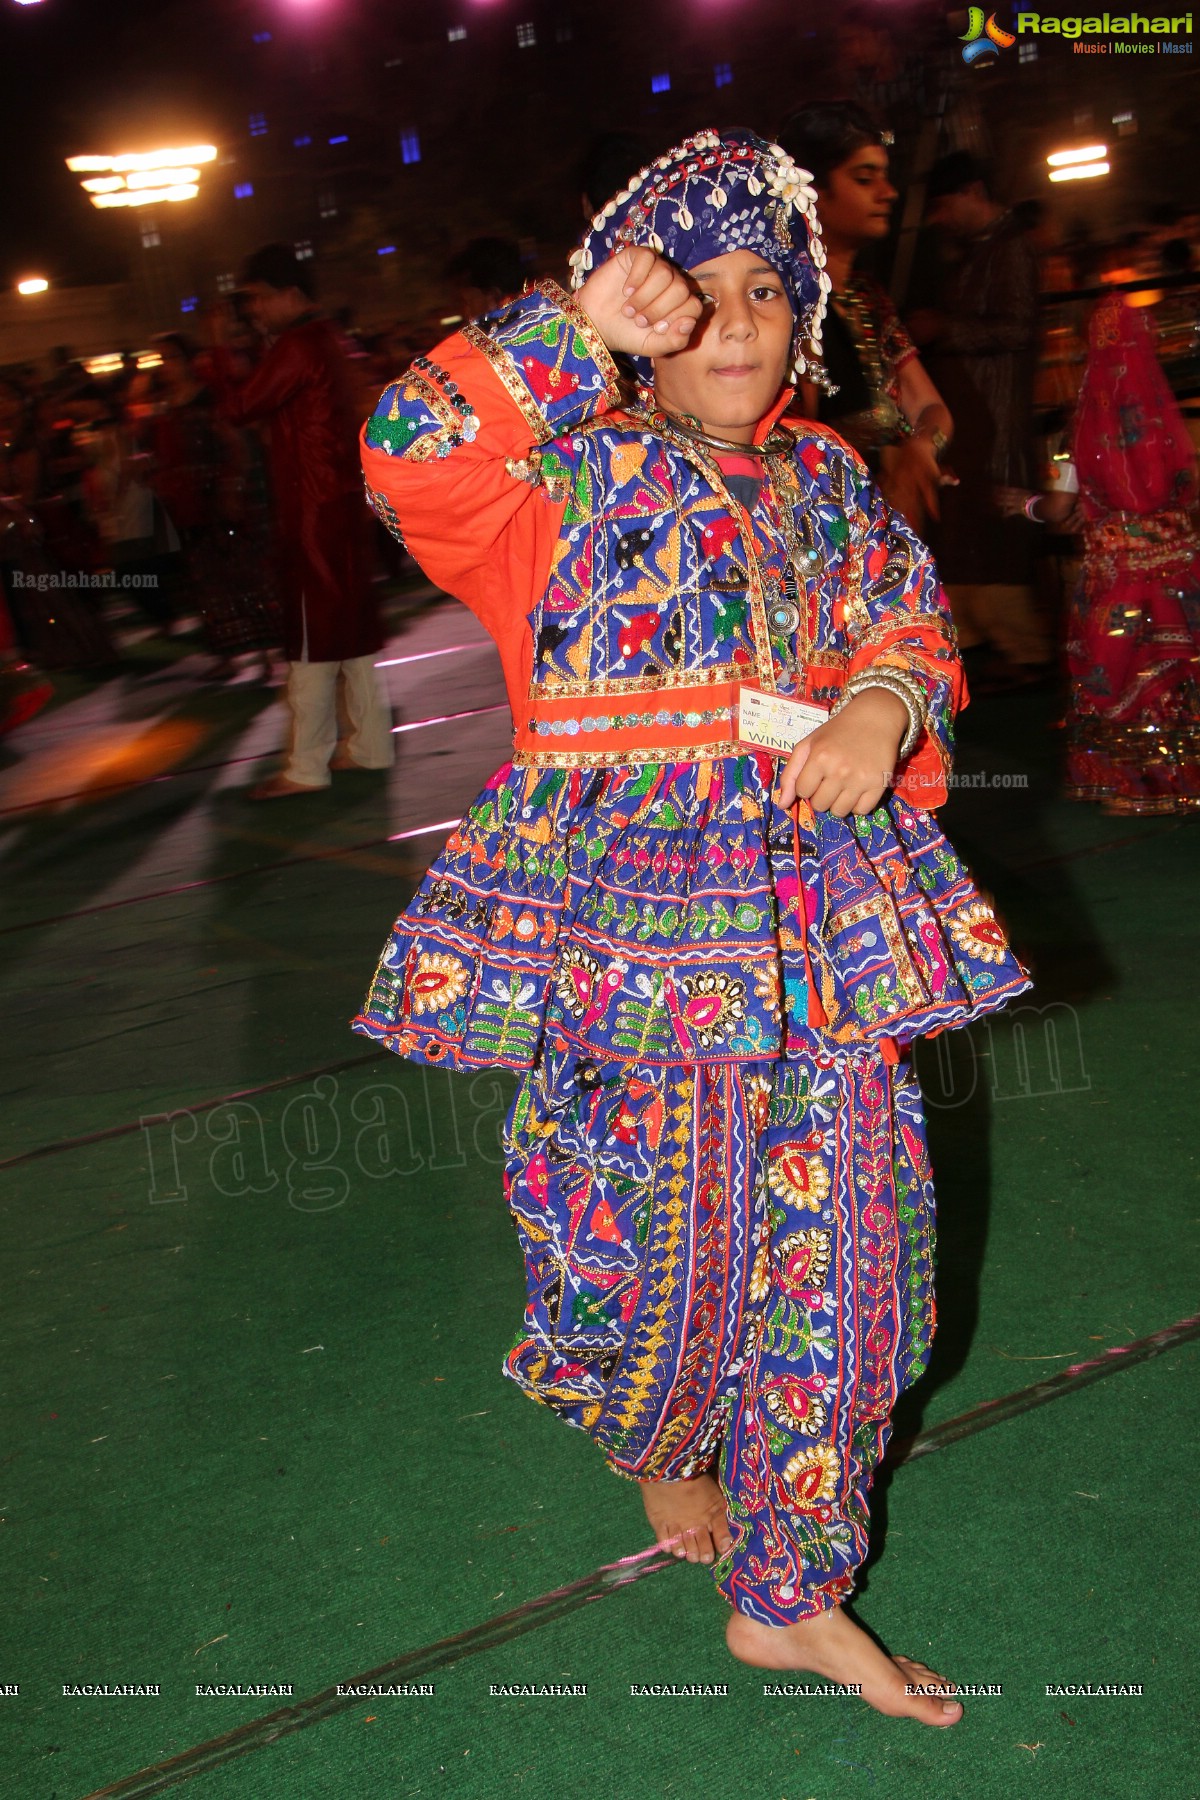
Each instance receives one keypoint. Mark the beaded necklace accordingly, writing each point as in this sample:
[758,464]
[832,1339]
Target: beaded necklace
[676,426]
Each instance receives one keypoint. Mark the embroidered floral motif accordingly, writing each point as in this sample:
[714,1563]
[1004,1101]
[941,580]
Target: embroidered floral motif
[430,398]
[713,1005]
[591,884]
[437,981]
[812,1475]
[977,930]
[758,1099]
[795,1402]
[803,1258]
[768,988]
[576,980]
[799,1180]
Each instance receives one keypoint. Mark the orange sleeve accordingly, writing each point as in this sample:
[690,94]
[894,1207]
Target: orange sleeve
[459,462]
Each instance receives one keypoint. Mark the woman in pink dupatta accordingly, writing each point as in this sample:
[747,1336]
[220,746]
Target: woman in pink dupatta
[1133,641]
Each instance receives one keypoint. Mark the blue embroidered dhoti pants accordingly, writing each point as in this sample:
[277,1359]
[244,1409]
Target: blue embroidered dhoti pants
[730,1270]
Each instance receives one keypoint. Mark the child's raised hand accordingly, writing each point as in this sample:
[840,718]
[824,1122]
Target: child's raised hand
[641,303]
[846,766]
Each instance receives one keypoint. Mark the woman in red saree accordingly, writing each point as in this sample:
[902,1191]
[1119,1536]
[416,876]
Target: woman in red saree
[1133,640]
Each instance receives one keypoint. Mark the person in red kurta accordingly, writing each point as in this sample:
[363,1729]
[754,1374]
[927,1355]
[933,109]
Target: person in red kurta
[331,625]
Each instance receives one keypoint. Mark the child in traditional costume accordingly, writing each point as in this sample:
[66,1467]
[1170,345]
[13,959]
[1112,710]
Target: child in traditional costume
[703,937]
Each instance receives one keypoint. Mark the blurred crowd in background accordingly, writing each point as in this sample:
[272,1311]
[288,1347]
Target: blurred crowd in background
[134,503]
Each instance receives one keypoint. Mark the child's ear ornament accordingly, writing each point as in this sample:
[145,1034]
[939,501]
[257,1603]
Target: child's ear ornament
[817,373]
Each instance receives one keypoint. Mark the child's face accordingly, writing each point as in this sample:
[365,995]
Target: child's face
[730,372]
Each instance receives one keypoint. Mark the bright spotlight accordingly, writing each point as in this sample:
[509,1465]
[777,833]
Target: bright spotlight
[1080,172]
[144,177]
[1064,159]
[186,190]
[33,284]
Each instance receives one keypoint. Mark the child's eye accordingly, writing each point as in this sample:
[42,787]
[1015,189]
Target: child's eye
[766,293]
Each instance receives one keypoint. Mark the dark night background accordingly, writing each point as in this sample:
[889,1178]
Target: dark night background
[499,124]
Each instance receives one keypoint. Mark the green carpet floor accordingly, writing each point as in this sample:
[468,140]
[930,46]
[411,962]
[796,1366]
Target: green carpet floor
[255,1429]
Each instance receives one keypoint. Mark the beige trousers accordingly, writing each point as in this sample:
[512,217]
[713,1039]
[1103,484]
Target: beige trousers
[312,695]
[1005,617]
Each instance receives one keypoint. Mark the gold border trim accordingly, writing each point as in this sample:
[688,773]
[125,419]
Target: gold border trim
[636,757]
[502,365]
[598,350]
[425,447]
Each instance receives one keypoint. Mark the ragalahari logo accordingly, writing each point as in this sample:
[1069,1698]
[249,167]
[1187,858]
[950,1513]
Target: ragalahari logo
[983,38]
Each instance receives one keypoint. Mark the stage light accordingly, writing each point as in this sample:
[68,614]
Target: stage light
[33,284]
[143,159]
[166,159]
[144,178]
[147,196]
[1080,172]
[1063,159]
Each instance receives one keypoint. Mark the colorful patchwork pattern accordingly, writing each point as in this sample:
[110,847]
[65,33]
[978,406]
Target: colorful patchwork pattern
[658,579]
[689,1318]
[717,1169]
[657,914]
[549,358]
[668,911]
[657,576]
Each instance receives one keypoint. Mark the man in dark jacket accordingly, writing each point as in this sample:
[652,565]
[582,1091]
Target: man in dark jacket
[982,353]
[301,388]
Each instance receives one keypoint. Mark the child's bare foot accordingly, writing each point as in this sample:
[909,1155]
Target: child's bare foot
[833,1646]
[688,1517]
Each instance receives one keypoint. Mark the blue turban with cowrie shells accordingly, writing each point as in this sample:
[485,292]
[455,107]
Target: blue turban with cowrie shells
[718,192]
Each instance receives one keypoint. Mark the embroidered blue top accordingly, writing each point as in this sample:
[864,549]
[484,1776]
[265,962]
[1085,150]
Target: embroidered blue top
[627,882]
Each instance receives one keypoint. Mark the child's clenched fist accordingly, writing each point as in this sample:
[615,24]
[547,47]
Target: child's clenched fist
[641,303]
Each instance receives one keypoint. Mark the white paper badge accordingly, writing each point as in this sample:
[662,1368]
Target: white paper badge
[774,721]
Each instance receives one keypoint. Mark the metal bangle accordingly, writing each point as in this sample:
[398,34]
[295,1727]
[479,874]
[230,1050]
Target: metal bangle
[906,690]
